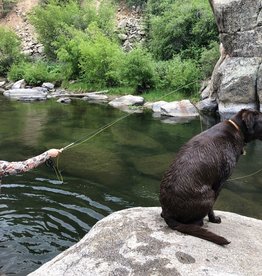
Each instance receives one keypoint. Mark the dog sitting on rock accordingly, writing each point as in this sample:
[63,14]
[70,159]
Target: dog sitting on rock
[191,185]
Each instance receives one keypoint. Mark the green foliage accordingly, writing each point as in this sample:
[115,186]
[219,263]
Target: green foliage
[178,75]
[100,59]
[138,70]
[9,50]
[156,7]
[79,36]
[182,25]
[56,22]
[35,73]
[209,58]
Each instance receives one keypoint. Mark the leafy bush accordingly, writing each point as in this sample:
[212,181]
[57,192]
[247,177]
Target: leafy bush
[177,74]
[35,73]
[138,70]
[182,25]
[9,50]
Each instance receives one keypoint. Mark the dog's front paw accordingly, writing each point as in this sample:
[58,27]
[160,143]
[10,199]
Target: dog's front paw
[215,219]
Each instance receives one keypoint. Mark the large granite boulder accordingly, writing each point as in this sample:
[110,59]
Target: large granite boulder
[137,241]
[236,80]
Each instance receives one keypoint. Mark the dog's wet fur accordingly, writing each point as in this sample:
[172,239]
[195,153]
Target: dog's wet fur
[191,185]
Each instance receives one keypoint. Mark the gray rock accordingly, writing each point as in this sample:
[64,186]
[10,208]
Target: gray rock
[207,106]
[122,37]
[128,100]
[19,84]
[182,108]
[205,90]
[226,110]
[137,241]
[95,98]
[236,80]
[240,26]
[156,107]
[122,24]
[2,83]
[26,94]
[48,85]
[127,46]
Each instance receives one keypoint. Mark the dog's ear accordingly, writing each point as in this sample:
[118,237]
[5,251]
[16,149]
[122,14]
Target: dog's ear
[248,117]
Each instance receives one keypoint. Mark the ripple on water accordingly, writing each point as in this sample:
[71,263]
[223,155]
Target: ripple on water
[41,220]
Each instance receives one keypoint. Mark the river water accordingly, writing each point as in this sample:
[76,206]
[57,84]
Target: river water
[119,168]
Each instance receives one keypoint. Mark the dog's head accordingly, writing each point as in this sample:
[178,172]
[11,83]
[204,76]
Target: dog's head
[250,122]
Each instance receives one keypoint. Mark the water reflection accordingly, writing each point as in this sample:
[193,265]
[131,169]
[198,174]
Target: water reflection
[119,168]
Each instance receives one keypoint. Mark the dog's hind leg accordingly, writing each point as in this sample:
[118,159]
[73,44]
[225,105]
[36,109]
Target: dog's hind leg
[212,218]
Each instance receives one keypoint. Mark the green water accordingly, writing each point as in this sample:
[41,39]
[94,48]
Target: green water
[120,168]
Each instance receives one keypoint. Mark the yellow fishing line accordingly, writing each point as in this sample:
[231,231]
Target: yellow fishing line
[249,175]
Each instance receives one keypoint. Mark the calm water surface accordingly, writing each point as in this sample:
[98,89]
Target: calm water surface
[120,168]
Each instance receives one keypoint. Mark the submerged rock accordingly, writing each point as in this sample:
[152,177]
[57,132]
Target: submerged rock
[137,241]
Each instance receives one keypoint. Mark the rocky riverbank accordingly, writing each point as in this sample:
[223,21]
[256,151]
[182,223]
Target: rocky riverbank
[169,112]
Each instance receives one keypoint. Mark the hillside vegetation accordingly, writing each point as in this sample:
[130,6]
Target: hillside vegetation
[83,51]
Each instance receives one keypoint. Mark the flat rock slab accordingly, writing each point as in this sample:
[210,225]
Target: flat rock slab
[137,241]
[25,94]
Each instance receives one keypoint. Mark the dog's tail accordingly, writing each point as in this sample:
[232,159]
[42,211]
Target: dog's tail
[196,231]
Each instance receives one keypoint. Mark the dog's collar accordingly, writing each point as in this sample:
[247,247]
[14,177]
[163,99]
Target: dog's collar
[234,124]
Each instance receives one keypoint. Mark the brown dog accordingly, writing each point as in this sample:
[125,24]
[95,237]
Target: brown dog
[191,185]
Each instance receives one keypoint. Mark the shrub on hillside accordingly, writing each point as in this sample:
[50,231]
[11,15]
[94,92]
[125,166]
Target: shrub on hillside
[177,74]
[55,20]
[9,50]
